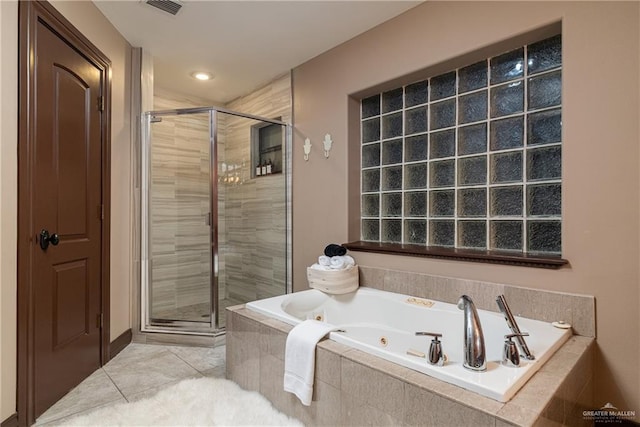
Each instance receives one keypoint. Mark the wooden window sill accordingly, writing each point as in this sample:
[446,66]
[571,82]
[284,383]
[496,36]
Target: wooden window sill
[492,257]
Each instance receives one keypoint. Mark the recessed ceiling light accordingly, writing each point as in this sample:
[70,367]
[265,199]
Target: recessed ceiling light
[202,75]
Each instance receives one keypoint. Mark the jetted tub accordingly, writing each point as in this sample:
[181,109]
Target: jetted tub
[384,324]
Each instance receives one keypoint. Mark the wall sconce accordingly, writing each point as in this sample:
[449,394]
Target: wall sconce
[327,145]
[307,149]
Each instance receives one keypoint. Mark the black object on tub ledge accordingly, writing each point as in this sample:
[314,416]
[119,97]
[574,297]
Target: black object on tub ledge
[335,250]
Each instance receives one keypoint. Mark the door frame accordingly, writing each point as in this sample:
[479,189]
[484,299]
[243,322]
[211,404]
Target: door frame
[29,14]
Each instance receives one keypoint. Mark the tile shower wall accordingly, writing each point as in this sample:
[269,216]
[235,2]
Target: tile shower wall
[254,249]
[251,213]
[470,158]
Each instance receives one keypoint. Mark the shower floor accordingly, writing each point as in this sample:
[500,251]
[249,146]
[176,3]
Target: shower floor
[194,313]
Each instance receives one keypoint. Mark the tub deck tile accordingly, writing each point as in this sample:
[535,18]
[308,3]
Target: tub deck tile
[554,412]
[583,311]
[371,277]
[373,387]
[334,347]
[560,363]
[235,307]
[328,367]
[374,362]
[325,408]
[533,396]
[254,315]
[356,413]
[243,359]
[272,341]
[579,310]
[271,384]
[576,345]
[403,282]
[518,415]
[453,392]
[279,325]
[574,407]
[577,387]
[424,408]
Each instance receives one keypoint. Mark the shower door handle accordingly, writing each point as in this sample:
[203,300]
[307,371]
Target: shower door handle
[208,219]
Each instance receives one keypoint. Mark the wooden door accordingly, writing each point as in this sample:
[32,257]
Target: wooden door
[64,181]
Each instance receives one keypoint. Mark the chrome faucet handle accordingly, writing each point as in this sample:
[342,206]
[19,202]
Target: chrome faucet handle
[510,355]
[519,334]
[436,356]
[513,325]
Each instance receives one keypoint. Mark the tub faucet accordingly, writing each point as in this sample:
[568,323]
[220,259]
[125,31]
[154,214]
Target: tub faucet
[475,357]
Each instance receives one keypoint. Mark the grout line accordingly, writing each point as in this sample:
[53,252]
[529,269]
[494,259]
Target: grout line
[178,356]
[114,384]
[165,348]
[57,418]
[196,369]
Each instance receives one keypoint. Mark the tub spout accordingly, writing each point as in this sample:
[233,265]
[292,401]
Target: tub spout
[474,351]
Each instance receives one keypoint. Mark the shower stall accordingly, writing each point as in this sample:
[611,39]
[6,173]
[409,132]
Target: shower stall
[215,216]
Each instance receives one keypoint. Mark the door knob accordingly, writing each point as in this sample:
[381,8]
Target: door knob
[46,238]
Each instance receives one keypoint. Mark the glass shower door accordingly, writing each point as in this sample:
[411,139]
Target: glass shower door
[252,209]
[215,228]
[180,222]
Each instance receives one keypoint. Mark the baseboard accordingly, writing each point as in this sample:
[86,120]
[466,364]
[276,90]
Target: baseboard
[118,344]
[12,421]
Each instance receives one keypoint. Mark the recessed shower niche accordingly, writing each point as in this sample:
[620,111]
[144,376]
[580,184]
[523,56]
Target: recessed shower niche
[267,140]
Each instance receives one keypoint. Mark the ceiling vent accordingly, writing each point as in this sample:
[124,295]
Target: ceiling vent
[169,6]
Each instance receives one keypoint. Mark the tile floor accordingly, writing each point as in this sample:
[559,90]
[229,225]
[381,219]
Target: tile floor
[139,371]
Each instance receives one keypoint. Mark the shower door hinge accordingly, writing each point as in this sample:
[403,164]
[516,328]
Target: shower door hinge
[99,321]
[101,103]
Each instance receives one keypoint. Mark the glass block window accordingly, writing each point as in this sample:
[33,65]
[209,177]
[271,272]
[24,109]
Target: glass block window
[470,158]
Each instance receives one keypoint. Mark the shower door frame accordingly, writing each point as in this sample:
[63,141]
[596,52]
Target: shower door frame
[192,327]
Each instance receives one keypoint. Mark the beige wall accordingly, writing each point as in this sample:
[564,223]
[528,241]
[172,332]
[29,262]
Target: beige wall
[600,154]
[88,19]
[8,203]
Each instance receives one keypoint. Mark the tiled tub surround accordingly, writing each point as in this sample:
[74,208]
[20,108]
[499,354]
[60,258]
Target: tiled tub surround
[384,324]
[354,388]
[578,310]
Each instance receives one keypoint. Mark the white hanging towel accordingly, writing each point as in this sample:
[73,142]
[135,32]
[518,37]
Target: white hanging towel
[300,357]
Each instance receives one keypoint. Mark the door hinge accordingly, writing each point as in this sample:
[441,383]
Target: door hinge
[101,212]
[101,103]
[99,321]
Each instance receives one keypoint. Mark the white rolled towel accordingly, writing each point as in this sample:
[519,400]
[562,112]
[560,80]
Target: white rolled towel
[349,260]
[321,267]
[338,263]
[324,260]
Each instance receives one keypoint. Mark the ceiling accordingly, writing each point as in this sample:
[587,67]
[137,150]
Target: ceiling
[244,44]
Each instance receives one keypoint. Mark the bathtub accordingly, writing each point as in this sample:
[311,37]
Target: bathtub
[384,324]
